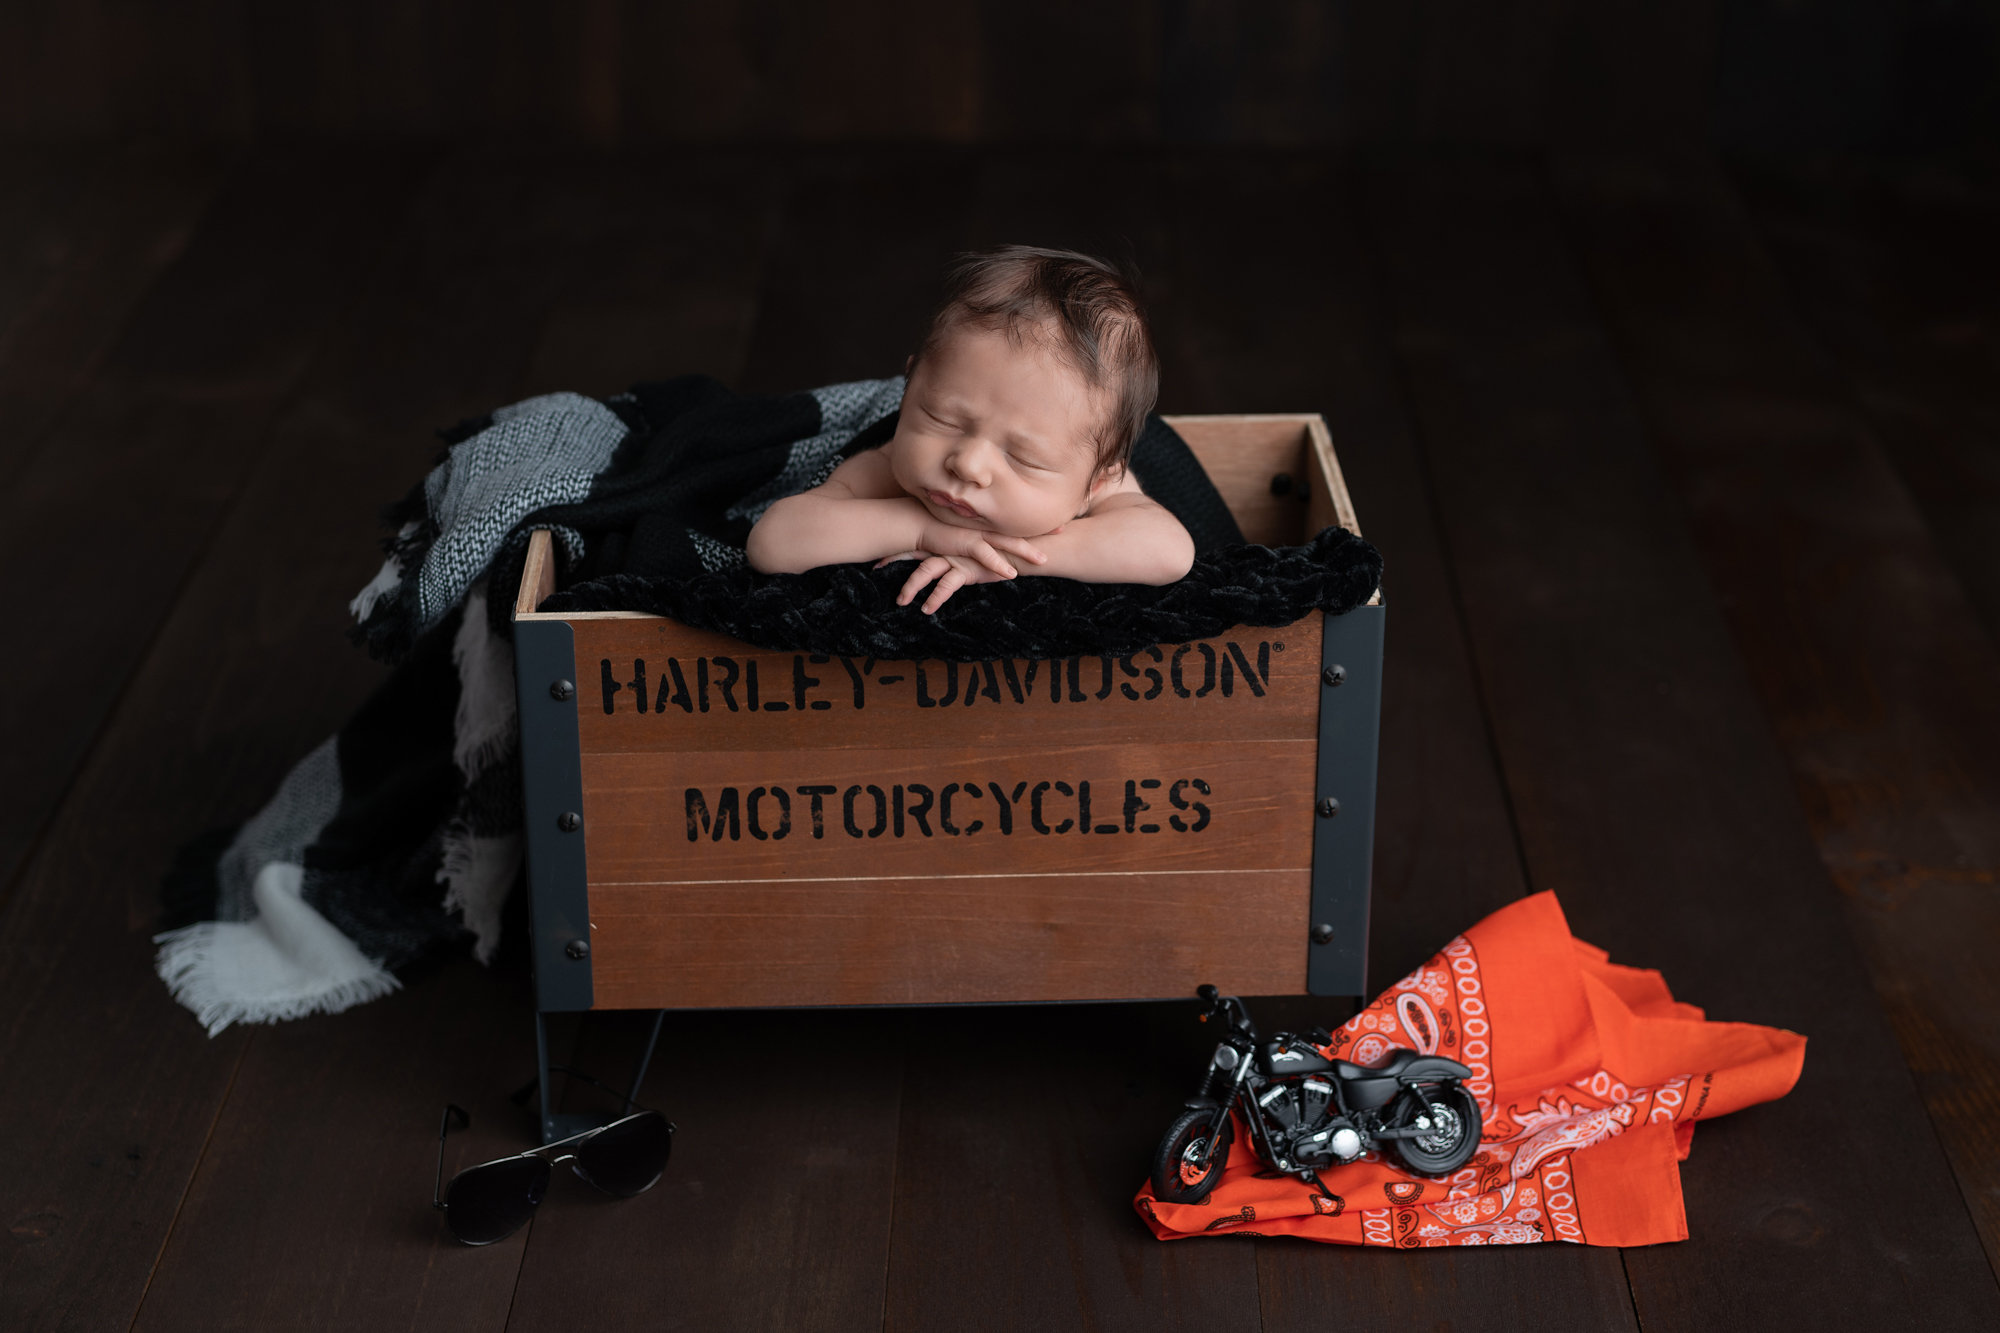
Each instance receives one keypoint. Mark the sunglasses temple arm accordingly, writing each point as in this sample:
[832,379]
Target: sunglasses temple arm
[444,1127]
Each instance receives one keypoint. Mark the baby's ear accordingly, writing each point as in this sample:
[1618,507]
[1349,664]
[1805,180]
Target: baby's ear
[1107,476]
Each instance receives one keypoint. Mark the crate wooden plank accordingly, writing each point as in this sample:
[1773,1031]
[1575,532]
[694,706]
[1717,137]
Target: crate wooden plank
[654,686]
[728,814]
[132,1085]
[1645,781]
[1266,470]
[937,939]
[1884,718]
[1295,317]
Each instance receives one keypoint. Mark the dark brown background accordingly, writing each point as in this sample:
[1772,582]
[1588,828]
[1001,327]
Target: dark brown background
[1741,74]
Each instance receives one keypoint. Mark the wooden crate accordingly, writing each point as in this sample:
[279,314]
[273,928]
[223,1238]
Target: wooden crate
[713,824]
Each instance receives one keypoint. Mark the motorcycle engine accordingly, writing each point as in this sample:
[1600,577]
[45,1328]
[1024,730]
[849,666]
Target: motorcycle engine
[1303,1112]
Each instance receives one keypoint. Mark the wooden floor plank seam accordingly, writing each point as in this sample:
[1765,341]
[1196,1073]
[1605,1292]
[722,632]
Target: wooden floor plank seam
[167,1237]
[19,450]
[1406,399]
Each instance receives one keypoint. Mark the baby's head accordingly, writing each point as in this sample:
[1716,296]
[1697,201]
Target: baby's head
[1027,392]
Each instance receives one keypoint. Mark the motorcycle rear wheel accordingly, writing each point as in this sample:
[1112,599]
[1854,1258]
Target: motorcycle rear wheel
[1186,1166]
[1456,1136]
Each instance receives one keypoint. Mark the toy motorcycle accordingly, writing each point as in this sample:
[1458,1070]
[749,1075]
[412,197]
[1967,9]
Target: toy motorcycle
[1307,1112]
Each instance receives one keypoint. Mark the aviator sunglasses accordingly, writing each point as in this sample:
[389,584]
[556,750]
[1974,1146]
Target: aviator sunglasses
[493,1200]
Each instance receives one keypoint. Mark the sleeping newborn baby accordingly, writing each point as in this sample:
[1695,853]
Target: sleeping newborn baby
[1011,451]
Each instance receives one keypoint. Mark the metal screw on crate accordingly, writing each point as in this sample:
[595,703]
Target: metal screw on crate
[1332,675]
[1328,807]
[561,690]
[1322,933]
[569,821]
[1281,484]
[577,949]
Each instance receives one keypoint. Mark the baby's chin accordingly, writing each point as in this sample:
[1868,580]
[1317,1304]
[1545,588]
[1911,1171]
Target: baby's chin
[991,529]
[976,523]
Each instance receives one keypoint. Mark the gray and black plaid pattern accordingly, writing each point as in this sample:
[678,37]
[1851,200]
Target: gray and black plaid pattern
[537,453]
[845,410]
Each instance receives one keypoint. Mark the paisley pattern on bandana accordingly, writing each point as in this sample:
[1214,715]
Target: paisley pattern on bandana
[1589,1160]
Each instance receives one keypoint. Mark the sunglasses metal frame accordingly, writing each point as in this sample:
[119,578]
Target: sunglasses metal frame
[452,1111]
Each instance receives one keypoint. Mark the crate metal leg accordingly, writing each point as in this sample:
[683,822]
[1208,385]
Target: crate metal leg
[561,1125]
[1350,710]
[639,1075]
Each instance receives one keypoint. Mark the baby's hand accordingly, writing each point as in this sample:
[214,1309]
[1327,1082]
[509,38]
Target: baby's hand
[955,557]
[990,549]
[951,572]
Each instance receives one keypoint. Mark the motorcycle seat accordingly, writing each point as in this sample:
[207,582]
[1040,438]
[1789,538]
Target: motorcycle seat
[1389,1066]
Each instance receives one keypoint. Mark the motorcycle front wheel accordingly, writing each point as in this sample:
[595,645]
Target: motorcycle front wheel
[1187,1166]
[1453,1135]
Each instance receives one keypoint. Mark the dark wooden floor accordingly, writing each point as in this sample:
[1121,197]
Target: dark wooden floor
[1689,483]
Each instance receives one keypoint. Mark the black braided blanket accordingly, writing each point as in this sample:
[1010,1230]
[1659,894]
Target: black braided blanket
[851,609]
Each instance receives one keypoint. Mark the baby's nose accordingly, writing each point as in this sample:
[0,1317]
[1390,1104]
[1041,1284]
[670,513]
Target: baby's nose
[973,462]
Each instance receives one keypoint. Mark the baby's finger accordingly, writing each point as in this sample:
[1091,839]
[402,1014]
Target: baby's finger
[984,553]
[920,576]
[900,555]
[946,585]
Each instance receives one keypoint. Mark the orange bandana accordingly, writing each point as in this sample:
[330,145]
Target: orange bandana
[1589,1076]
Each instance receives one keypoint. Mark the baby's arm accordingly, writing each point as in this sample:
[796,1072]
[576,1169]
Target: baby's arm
[860,513]
[1125,538]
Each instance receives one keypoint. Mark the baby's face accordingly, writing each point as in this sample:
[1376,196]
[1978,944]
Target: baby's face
[996,434]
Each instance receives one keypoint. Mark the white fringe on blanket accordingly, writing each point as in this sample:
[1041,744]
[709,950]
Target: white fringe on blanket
[286,962]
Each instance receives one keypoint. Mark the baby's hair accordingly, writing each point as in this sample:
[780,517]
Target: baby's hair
[1094,309]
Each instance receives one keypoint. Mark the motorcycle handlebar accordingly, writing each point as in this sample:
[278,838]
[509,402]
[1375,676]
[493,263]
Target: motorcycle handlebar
[1228,1007]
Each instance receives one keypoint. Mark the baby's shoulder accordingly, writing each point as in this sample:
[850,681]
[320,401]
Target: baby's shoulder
[866,475]
[1125,490]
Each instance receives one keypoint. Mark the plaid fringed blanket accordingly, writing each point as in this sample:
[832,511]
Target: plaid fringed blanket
[319,899]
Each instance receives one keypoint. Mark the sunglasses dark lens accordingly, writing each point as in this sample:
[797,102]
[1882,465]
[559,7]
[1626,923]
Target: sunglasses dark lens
[488,1202]
[628,1157]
